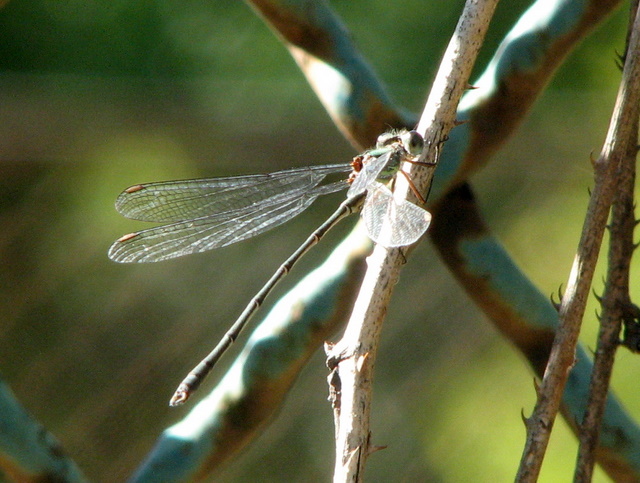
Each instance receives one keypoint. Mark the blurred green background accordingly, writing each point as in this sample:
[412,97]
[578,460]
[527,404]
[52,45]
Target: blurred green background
[97,96]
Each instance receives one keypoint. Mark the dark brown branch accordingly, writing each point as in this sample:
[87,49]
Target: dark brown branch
[616,301]
[540,424]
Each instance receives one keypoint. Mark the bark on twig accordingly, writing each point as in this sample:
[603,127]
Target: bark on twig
[616,301]
[606,167]
[352,359]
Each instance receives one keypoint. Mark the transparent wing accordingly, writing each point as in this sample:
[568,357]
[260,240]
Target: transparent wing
[209,232]
[173,201]
[392,224]
[371,169]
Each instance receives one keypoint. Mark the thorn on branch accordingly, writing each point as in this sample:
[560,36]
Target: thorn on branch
[373,449]
[620,60]
[598,297]
[525,419]
[556,305]
[604,280]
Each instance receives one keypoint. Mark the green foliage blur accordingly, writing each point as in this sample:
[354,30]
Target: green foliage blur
[98,96]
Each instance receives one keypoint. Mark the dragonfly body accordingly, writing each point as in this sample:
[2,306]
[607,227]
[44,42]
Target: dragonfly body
[203,214]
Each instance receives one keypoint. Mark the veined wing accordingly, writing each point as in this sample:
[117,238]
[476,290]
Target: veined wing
[208,232]
[371,169]
[389,223]
[172,201]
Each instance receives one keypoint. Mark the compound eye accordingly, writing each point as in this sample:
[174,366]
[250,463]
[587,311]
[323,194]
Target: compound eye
[413,142]
[385,139]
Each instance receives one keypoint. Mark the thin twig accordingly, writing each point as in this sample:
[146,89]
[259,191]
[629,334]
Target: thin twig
[572,308]
[615,302]
[353,358]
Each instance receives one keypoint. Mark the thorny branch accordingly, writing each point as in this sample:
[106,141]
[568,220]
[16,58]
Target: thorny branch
[607,167]
[616,301]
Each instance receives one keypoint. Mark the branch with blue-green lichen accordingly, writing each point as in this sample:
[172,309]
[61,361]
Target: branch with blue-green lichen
[342,79]
[27,451]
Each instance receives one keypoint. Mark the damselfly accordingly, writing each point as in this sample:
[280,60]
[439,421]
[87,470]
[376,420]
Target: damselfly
[203,214]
